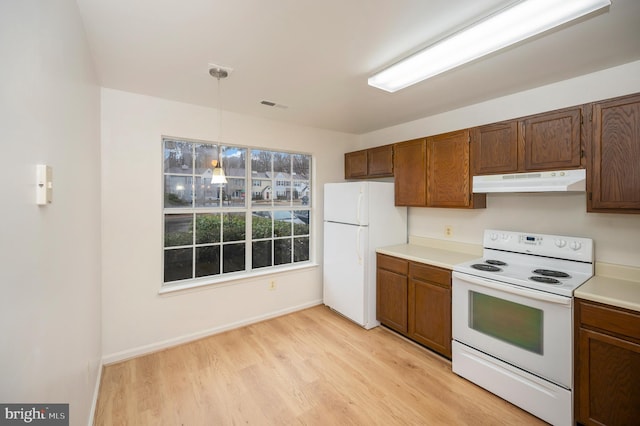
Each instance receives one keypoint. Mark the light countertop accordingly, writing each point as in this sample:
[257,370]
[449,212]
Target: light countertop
[443,258]
[442,253]
[612,291]
[615,285]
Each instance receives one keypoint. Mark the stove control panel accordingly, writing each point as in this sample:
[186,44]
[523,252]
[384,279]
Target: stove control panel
[499,236]
[558,246]
[531,239]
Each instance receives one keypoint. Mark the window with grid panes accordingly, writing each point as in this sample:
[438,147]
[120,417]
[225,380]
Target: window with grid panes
[258,220]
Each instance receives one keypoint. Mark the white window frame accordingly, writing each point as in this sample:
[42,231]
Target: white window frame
[248,210]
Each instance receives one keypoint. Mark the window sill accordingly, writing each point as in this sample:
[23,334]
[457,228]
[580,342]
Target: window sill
[231,279]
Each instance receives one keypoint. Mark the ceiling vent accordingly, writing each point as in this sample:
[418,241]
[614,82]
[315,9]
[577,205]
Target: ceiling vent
[273,104]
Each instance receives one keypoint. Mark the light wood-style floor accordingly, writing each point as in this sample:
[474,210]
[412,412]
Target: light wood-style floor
[311,367]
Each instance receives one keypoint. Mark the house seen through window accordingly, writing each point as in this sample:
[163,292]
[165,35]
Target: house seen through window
[258,219]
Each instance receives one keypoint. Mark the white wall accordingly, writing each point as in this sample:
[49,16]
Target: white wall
[136,319]
[50,276]
[617,236]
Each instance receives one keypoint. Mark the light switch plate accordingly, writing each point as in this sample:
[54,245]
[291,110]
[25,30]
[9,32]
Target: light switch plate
[44,184]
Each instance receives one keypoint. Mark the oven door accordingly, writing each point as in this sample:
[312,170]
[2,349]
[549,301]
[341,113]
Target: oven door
[525,328]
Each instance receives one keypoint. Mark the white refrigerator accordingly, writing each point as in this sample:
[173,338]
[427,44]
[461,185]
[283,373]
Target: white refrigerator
[358,218]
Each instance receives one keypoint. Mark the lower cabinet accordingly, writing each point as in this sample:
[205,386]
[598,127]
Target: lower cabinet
[430,307]
[392,292]
[414,299]
[607,365]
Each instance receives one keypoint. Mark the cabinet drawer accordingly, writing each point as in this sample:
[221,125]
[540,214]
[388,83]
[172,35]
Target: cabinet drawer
[432,274]
[393,264]
[611,319]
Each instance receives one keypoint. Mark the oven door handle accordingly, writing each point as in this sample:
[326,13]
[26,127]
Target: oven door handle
[507,288]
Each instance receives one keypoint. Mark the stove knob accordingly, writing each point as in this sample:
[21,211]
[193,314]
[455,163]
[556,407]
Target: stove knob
[575,245]
[561,243]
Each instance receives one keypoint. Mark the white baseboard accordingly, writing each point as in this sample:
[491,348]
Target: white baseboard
[158,346]
[96,392]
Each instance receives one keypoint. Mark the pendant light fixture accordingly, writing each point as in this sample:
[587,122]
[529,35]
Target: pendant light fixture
[520,21]
[218,175]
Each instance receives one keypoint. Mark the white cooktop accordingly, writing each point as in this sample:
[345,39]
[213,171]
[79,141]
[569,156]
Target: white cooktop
[524,253]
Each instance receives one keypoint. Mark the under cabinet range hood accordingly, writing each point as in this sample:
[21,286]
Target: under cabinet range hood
[554,181]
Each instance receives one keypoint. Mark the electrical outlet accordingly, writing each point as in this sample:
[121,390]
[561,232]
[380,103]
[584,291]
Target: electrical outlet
[448,231]
[272,285]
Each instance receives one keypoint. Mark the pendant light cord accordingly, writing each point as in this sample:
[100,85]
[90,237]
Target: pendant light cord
[219,124]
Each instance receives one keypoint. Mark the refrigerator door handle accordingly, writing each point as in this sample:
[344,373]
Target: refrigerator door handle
[359,207]
[358,248]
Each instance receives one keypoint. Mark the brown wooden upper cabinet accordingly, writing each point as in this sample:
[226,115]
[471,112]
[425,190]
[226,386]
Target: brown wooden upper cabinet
[552,140]
[613,178]
[494,148]
[355,164]
[437,171]
[448,172]
[548,141]
[434,172]
[410,170]
[369,163]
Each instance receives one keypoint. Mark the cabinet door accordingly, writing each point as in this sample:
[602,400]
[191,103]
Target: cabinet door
[607,364]
[430,307]
[552,140]
[608,382]
[380,161]
[448,172]
[614,170]
[355,164]
[410,170]
[391,291]
[494,148]
[391,300]
[448,180]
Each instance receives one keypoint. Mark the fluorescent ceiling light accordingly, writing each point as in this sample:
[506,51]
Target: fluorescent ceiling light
[522,20]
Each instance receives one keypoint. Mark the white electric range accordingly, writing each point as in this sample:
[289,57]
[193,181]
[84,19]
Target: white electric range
[512,315]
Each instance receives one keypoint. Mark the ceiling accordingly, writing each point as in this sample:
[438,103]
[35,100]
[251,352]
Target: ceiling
[313,58]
